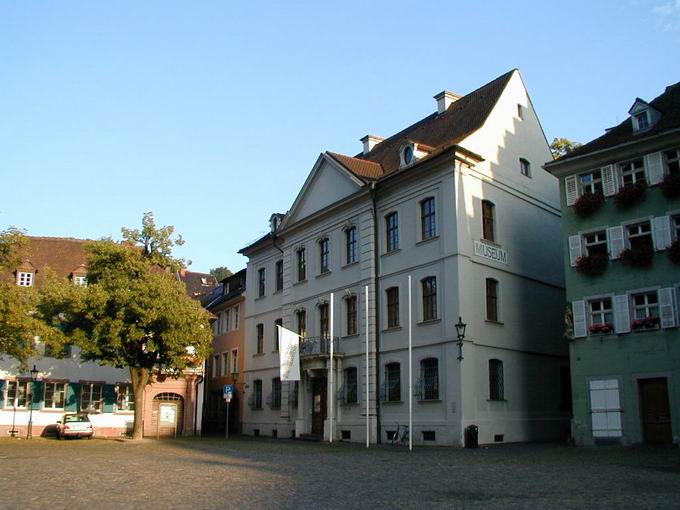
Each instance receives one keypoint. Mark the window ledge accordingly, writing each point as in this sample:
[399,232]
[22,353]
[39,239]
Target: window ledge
[492,243]
[428,240]
[391,328]
[275,351]
[496,400]
[325,273]
[300,282]
[356,262]
[392,252]
[278,291]
[258,354]
[429,321]
[258,298]
[46,409]
[353,335]
[349,404]
[497,323]
[426,401]
[124,413]
[392,402]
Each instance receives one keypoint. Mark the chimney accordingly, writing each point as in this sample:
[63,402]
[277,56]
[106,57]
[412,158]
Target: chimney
[370,141]
[445,99]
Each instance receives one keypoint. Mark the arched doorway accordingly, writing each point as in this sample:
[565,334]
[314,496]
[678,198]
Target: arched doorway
[167,415]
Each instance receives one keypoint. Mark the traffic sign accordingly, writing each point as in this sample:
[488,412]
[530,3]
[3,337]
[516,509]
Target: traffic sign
[228,391]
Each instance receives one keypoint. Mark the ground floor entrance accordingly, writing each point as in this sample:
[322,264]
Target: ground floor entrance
[319,404]
[655,410]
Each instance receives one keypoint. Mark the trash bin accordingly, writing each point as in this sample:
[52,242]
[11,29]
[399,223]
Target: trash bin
[471,435]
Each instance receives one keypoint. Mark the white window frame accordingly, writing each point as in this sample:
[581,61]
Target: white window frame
[589,311]
[25,279]
[593,182]
[236,321]
[215,366]
[225,363]
[606,411]
[632,171]
[54,391]
[88,388]
[597,232]
[80,281]
[234,361]
[667,161]
[125,398]
[21,386]
[635,223]
[647,306]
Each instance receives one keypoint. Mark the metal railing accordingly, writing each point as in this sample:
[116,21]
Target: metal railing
[318,346]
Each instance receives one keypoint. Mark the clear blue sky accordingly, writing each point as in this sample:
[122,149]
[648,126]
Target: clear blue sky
[211,114]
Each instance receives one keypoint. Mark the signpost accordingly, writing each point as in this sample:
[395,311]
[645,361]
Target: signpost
[227,393]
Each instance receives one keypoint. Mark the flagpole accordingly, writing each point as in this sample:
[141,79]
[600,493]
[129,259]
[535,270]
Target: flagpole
[410,369]
[367,407]
[332,395]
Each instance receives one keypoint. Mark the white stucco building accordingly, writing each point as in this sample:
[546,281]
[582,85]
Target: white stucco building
[459,202]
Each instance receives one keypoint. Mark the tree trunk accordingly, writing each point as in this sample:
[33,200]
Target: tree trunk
[140,378]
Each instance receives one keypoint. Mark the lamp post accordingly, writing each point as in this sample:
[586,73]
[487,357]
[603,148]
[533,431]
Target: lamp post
[34,377]
[460,331]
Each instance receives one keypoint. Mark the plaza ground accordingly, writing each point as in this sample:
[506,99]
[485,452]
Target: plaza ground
[213,473]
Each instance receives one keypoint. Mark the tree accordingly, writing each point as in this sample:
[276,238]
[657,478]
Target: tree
[134,313]
[220,273]
[562,146]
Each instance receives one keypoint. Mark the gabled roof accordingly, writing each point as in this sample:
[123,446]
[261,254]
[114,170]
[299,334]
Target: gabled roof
[197,284]
[667,104]
[365,170]
[61,254]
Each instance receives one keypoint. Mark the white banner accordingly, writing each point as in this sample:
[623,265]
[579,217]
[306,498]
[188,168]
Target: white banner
[289,350]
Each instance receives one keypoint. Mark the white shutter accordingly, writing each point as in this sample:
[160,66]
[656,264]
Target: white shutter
[616,241]
[578,310]
[575,249]
[608,180]
[666,308]
[571,189]
[654,168]
[662,232]
[621,314]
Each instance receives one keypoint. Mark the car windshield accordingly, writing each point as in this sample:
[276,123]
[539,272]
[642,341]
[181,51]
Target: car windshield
[75,418]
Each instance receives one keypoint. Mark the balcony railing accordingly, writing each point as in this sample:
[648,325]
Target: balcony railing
[318,346]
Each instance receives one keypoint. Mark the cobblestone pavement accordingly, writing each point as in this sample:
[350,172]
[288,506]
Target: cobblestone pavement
[259,473]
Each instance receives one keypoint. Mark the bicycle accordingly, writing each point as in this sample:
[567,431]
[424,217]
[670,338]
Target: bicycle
[400,436]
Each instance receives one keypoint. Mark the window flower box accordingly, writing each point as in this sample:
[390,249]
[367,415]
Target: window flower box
[646,323]
[670,186]
[588,204]
[641,256]
[630,194]
[601,329]
[674,251]
[592,265]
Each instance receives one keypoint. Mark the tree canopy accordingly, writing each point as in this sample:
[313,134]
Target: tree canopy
[562,146]
[220,273]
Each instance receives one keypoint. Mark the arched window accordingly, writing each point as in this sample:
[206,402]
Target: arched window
[496,383]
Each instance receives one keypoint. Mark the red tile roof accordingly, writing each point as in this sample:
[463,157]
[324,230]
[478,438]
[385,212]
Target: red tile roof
[365,170]
[63,255]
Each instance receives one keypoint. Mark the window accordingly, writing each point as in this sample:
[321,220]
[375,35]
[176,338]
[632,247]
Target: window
[301,265]
[54,395]
[392,307]
[351,396]
[236,317]
[351,303]
[351,245]
[323,320]
[672,161]
[591,182]
[18,393]
[393,382]
[260,339]
[429,298]
[392,230]
[632,171]
[125,401]
[91,397]
[257,394]
[496,382]
[277,333]
[260,282]
[640,235]
[293,395]
[427,218]
[642,120]
[524,167]
[80,281]
[429,379]
[491,300]
[596,243]
[276,393]
[216,366]
[324,256]
[520,112]
[605,408]
[676,226]
[279,274]
[25,279]
[600,311]
[302,323]
[225,363]
[234,361]
[645,304]
[223,318]
[488,221]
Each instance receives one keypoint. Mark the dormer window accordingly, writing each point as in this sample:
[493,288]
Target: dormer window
[24,279]
[408,155]
[642,121]
[643,116]
[80,281]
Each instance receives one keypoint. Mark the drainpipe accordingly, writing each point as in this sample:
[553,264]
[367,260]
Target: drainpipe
[199,380]
[377,310]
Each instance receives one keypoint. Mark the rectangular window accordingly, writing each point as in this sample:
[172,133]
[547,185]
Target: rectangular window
[642,120]
[54,395]
[427,218]
[488,221]
[496,382]
[393,382]
[351,245]
[277,333]
[293,395]
[601,313]
[302,323]
[260,282]
[80,281]
[645,305]
[429,378]
[91,398]
[25,279]
[491,300]
[276,393]
[257,394]
[591,182]
[234,361]
[429,298]
[525,167]
[323,320]
[520,112]
[18,394]
[260,338]
[324,256]
[672,158]
[216,366]
[392,231]
[676,226]
[301,265]
[632,171]
[351,303]
[279,275]
[225,363]
[125,400]
[392,307]
[236,317]
[640,235]
[605,408]
[351,385]
[596,243]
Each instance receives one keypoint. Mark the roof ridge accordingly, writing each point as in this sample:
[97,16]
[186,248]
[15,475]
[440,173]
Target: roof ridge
[56,238]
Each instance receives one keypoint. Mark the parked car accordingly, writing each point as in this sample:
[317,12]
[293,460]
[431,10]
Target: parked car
[75,425]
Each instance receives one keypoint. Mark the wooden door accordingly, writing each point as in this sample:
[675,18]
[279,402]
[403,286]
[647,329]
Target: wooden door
[319,407]
[656,413]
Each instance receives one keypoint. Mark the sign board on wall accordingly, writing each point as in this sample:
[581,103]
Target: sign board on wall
[490,252]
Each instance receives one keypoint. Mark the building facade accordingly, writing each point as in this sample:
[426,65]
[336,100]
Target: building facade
[621,224]
[458,203]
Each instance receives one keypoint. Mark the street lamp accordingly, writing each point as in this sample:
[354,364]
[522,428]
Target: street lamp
[460,331]
[34,377]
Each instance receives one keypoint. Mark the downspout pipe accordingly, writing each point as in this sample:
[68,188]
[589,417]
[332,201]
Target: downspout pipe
[376,255]
[199,380]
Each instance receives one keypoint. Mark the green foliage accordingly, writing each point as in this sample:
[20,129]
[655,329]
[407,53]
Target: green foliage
[562,146]
[220,273]
[156,243]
